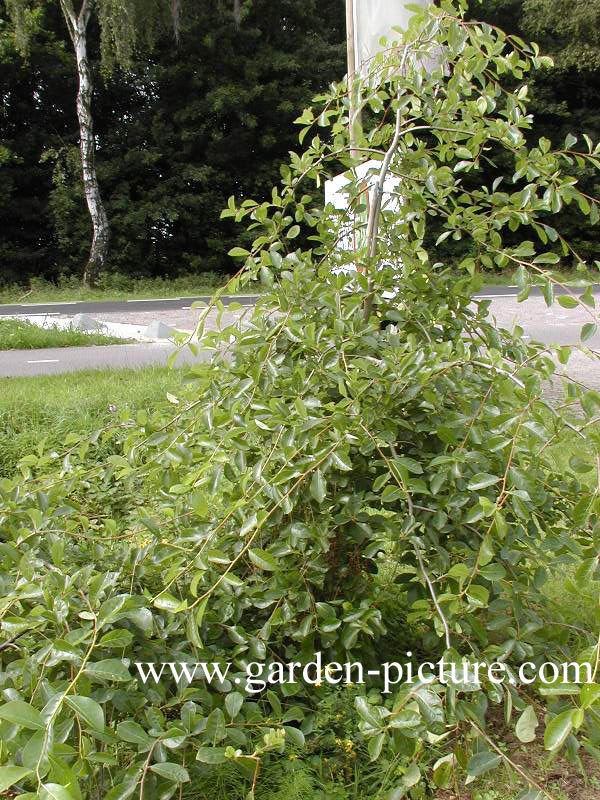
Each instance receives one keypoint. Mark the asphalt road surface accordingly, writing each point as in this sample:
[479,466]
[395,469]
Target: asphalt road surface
[109,306]
[185,303]
[554,325]
[55,361]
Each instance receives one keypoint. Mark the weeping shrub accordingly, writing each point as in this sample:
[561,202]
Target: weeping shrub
[320,464]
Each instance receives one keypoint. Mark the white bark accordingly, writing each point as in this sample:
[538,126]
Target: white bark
[237,12]
[78,24]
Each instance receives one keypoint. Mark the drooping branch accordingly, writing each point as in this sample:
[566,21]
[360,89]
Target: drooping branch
[375,212]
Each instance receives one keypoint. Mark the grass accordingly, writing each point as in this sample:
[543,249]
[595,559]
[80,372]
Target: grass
[22,335]
[114,287]
[46,409]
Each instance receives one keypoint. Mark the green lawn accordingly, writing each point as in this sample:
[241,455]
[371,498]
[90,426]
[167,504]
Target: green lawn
[46,409]
[22,335]
[116,287]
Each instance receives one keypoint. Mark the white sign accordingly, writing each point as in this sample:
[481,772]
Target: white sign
[336,189]
[375,19]
[353,226]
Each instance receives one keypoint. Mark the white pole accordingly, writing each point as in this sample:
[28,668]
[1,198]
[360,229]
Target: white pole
[351,46]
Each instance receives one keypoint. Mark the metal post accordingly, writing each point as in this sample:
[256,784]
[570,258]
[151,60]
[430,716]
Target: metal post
[351,45]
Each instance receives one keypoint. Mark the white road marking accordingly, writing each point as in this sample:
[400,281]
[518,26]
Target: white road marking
[185,308]
[155,300]
[45,361]
[61,303]
[492,296]
[46,314]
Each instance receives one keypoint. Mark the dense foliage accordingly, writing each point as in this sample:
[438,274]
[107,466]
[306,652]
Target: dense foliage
[323,475]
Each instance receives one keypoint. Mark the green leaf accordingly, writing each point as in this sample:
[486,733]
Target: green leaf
[238,252]
[558,730]
[116,640]
[566,301]
[408,463]
[133,733]
[481,481]
[88,710]
[54,791]
[249,525]
[111,669]
[11,775]
[166,602]
[342,462]
[570,141]
[233,703]
[172,772]
[589,329]
[526,725]
[559,690]
[478,595]
[412,776]
[215,730]
[481,763]
[443,772]
[262,559]
[211,755]
[266,276]
[547,258]
[590,695]
[111,609]
[294,735]
[318,486]
[20,713]
[375,746]
[366,711]
[122,791]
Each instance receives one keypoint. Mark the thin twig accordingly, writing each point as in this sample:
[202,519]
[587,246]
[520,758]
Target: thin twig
[438,608]
[519,770]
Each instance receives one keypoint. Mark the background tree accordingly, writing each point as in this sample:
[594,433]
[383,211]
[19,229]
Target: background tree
[178,131]
[119,22]
[36,115]
[565,97]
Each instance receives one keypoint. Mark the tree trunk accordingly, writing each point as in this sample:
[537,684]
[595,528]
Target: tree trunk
[78,24]
[237,12]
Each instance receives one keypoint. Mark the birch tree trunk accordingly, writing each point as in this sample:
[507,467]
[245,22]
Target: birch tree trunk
[237,12]
[78,24]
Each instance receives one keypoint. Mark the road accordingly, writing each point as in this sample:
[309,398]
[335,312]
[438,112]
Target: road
[55,361]
[554,325]
[114,306]
[184,303]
